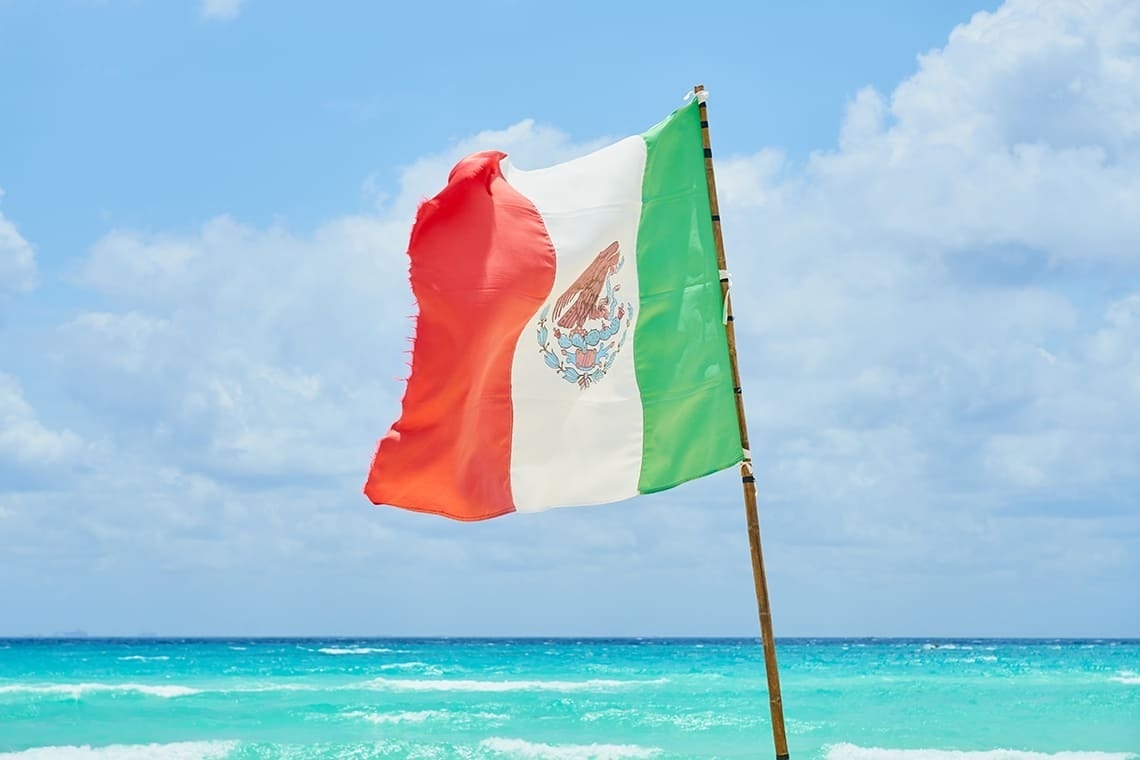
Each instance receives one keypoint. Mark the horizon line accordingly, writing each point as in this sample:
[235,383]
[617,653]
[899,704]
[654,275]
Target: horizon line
[83,636]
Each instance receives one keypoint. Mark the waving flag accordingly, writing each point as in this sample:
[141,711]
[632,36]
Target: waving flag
[570,346]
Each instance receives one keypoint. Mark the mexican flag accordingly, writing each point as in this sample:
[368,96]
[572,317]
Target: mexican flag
[570,347]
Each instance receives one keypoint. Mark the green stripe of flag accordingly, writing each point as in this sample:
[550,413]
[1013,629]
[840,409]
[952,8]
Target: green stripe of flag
[681,352]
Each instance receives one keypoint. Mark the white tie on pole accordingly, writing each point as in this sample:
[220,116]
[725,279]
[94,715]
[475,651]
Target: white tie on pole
[726,278]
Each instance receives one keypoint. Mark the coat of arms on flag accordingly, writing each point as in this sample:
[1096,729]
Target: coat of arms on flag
[590,322]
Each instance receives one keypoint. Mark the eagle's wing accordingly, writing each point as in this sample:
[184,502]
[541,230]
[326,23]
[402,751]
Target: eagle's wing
[586,289]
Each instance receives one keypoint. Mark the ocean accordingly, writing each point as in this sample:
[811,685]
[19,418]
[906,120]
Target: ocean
[844,699]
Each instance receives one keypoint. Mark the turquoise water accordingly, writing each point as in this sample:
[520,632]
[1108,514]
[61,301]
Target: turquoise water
[844,699]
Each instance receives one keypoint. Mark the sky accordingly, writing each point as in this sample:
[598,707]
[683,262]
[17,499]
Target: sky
[932,220]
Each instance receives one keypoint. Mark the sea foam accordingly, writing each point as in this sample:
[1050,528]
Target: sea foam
[420,716]
[519,748]
[77,690]
[446,684]
[353,650]
[430,670]
[175,751]
[853,752]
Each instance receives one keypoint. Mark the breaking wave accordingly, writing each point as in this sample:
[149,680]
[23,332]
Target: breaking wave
[421,716]
[594,684]
[519,748]
[853,752]
[175,751]
[353,650]
[77,690]
[425,667]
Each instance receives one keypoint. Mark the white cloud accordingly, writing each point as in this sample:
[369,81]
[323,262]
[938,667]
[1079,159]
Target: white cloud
[1025,122]
[275,353]
[222,10]
[939,315]
[17,258]
[242,377]
[24,440]
[121,264]
[939,328]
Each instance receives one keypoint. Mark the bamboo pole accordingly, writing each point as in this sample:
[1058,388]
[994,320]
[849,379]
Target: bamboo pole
[779,735]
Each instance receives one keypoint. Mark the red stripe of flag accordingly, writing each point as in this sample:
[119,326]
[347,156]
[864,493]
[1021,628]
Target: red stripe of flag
[481,265]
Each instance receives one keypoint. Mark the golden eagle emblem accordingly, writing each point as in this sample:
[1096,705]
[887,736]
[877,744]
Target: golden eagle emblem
[590,322]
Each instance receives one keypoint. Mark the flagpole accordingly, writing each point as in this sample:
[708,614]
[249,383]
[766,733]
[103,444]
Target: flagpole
[779,735]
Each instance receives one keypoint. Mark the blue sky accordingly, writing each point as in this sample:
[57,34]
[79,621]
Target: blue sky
[931,213]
